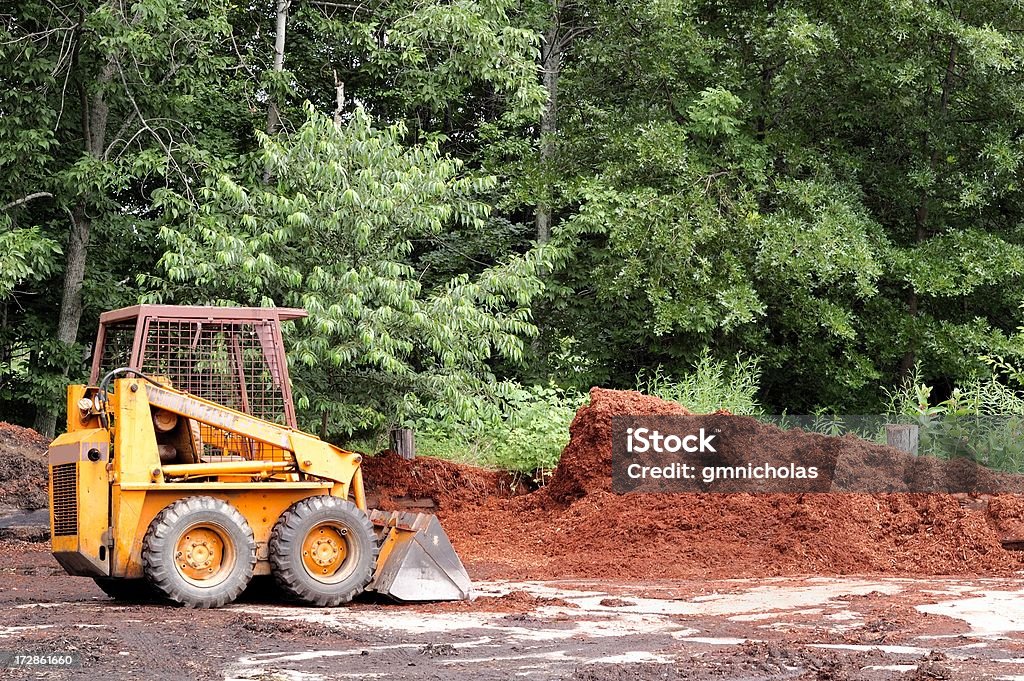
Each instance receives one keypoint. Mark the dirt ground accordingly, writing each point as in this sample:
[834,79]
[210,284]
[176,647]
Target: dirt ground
[575,582]
[826,628]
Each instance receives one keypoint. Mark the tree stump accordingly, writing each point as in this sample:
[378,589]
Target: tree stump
[903,437]
[403,442]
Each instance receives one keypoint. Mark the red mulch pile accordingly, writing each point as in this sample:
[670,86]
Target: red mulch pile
[1006,513]
[585,465]
[577,528]
[846,463]
[23,477]
[392,480]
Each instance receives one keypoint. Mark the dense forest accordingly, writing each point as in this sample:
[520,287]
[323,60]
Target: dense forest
[489,205]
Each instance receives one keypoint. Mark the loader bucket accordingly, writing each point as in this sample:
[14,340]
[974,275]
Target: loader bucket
[417,561]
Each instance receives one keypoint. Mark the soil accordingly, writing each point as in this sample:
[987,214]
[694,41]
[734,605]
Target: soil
[513,601]
[635,586]
[576,528]
[23,481]
[811,629]
[585,464]
[396,482]
[843,464]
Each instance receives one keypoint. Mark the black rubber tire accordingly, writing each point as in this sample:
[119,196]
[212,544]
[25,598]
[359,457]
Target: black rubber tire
[286,541]
[131,590]
[160,565]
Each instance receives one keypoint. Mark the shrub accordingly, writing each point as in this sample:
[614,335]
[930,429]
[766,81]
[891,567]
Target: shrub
[529,439]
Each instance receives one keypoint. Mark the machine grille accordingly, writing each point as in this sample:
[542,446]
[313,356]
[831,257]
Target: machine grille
[65,499]
[117,347]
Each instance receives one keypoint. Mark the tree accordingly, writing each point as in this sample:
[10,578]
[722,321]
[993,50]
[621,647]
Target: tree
[341,231]
[559,33]
[103,103]
[830,187]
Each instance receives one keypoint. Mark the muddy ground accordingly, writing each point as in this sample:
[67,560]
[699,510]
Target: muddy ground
[780,628]
[575,582]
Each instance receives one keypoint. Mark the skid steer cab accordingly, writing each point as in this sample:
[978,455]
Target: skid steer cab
[182,472]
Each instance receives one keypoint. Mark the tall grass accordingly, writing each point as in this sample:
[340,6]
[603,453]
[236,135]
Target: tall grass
[711,385]
[987,396]
[535,425]
[982,419]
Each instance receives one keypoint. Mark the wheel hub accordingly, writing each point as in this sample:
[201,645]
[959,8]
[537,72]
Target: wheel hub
[324,550]
[199,554]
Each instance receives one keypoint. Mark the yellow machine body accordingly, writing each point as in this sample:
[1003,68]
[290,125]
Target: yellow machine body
[134,448]
[101,509]
[79,539]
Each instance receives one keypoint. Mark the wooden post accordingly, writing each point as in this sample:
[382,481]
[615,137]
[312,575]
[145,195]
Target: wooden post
[403,442]
[902,437]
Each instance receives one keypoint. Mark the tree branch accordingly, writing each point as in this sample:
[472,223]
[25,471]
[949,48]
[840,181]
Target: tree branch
[153,133]
[25,199]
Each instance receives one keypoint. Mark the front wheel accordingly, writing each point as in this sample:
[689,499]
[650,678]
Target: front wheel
[199,552]
[323,551]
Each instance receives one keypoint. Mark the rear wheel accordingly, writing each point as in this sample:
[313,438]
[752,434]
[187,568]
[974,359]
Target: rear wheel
[323,551]
[199,552]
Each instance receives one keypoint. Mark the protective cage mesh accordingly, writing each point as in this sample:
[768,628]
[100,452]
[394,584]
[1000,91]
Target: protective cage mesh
[233,364]
[117,346]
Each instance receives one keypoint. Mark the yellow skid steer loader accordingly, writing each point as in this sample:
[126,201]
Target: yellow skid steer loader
[182,470]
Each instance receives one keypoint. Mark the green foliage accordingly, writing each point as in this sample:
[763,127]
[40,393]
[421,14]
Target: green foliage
[444,68]
[529,438]
[102,103]
[831,188]
[981,419]
[336,233]
[438,50]
[988,396]
[710,386]
[26,255]
[535,425]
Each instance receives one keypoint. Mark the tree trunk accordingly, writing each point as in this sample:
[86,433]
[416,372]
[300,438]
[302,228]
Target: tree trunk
[95,112]
[273,110]
[402,441]
[551,67]
[921,223]
[339,99]
[921,218]
[74,275]
[903,437]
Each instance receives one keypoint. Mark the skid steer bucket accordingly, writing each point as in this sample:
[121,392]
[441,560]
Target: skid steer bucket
[417,561]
